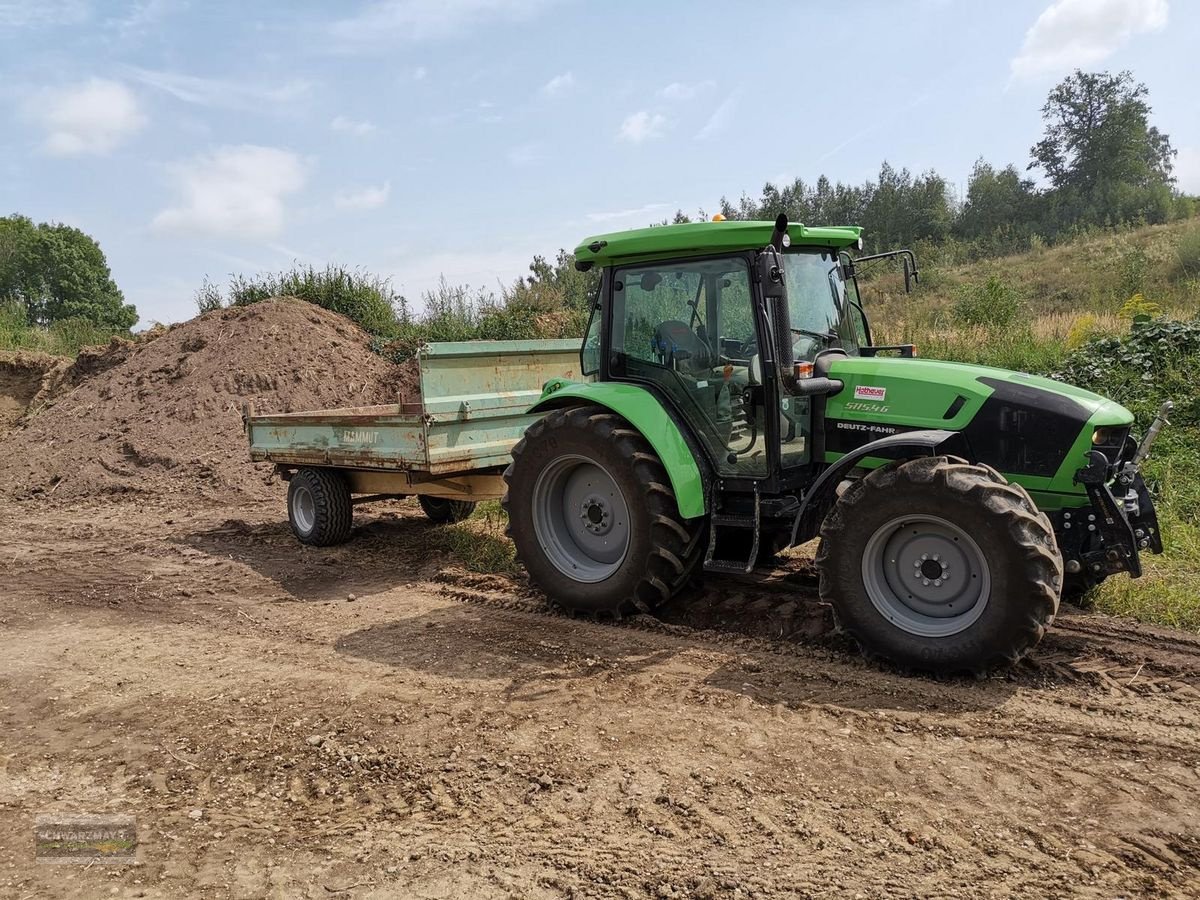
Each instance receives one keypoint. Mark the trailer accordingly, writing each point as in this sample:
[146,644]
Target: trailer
[448,445]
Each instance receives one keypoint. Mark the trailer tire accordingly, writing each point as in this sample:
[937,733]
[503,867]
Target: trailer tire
[938,565]
[593,517]
[319,507]
[443,510]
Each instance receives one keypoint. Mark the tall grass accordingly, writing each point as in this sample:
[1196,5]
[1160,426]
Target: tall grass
[65,337]
[449,313]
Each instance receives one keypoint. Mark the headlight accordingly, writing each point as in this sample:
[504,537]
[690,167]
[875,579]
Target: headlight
[1101,436]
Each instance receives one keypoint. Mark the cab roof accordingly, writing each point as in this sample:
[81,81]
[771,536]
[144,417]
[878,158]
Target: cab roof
[700,238]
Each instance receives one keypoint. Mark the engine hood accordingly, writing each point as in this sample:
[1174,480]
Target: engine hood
[1020,424]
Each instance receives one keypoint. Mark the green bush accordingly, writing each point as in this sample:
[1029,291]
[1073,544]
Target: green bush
[1156,361]
[992,303]
[65,337]
[1132,268]
[360,297]
[1188,253]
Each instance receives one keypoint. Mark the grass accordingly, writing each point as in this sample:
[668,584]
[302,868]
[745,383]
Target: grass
[63,338]
[479,542]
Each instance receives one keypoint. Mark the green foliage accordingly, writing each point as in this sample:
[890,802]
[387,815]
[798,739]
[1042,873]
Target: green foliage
[1156,361]
[1098,133]
[66,337]
[1187,253]
[995,201]
[992,303]
[361,297]
[1132,268]
[56,272]
[1139,309]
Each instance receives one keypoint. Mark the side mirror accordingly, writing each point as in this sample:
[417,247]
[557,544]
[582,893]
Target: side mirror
[770,273]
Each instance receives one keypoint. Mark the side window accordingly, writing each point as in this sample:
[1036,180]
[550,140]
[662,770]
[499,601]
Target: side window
[688,327]
[589,353]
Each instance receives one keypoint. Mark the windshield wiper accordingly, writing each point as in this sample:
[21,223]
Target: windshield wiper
[826,337]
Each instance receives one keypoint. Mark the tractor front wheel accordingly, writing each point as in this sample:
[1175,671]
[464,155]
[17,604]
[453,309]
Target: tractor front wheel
[942,566]
[593,516]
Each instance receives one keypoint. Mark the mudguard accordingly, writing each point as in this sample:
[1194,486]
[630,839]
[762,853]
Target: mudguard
[906,445]
[645,413]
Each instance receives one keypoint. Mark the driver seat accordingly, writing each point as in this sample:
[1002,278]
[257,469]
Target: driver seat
[682,347]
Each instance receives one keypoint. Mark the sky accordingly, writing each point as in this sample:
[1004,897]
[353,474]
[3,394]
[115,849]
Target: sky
[420,138]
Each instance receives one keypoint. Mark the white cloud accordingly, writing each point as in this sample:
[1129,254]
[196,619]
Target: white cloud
[370,197]
[1073,34]
[647,211]
[559,85]
[234,192]
[1187,170]
[420,73]
[42,13]
[220,93]
[89,118]
[526,154]
[356,127]
[641,126]
[719,120]
[388,21]
[679,91]
[145,17]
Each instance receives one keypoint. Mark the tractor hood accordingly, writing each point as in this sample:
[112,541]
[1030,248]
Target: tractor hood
[1020,424]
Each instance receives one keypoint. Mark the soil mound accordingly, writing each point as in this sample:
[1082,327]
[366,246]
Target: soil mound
[164,415]
[22,375]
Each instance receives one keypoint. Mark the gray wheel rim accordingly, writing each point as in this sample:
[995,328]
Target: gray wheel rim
[926,576]
[304,509]
[581,519]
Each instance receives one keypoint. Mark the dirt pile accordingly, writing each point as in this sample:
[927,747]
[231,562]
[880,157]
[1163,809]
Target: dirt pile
[22,375]
[164,415]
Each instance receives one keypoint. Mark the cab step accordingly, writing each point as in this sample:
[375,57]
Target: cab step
[721,524]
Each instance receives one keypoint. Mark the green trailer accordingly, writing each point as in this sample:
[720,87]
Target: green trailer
[448,444]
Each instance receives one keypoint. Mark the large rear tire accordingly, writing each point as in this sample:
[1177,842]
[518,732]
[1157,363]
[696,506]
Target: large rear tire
[319,507]
[593,516]
[938,565]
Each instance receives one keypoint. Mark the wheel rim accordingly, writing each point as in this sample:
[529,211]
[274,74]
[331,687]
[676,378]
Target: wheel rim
[581,519]
[304,508]
[926,576]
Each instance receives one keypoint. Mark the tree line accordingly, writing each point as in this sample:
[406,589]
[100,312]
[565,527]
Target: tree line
[1104,165]
[1101,161]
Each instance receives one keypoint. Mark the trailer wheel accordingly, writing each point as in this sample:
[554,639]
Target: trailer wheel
[445,511]
[938,565]
[593,516]
[319,507]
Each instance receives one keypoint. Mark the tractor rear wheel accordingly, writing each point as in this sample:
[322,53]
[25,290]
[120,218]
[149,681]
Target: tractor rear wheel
[592,514]
[939,565]
[444,511]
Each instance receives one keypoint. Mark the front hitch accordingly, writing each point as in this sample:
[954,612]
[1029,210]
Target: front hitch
[1125,524]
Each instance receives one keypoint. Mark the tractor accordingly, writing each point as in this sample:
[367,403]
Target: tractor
[736,405]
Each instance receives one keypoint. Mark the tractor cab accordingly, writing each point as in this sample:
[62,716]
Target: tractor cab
[691,312]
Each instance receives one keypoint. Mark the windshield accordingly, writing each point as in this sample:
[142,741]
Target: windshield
[817,301]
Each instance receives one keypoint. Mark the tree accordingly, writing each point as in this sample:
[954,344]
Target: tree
[56,272]
[1098,137]
[997,200]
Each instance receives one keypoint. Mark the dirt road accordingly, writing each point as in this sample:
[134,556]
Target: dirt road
[361,722]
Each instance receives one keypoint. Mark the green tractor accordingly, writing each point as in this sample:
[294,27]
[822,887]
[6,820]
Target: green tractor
[737,406]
